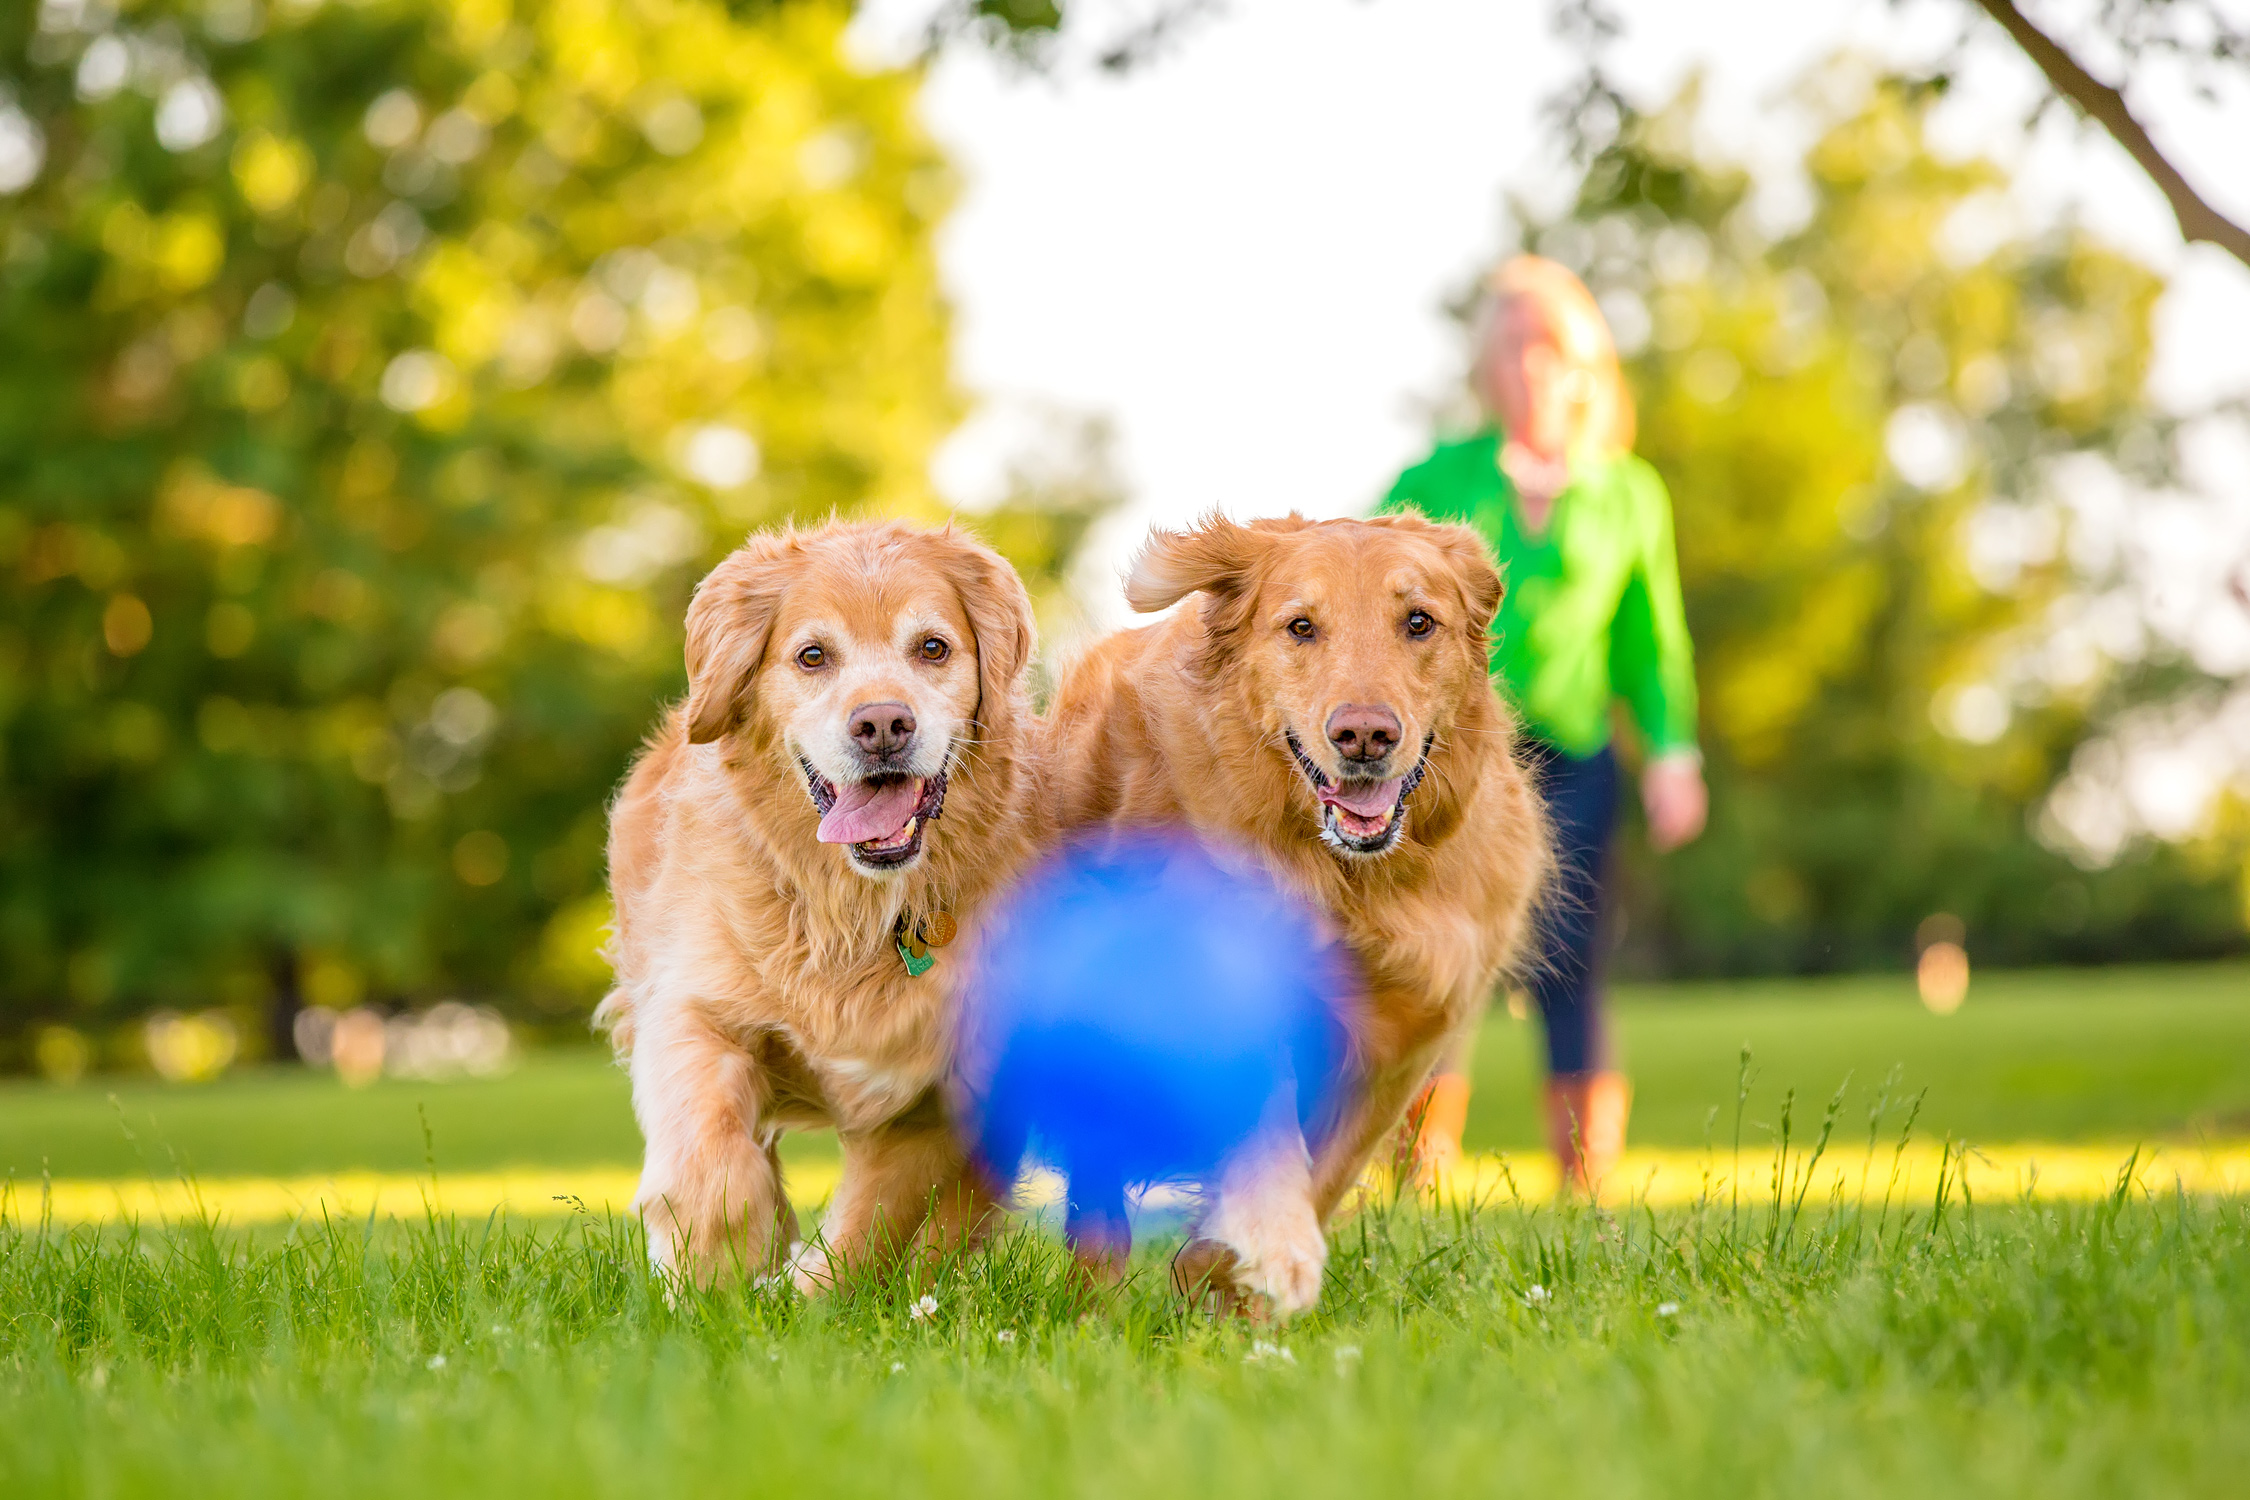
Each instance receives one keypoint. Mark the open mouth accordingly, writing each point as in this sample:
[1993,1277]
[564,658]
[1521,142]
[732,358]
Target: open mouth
[880,819]
[1365,815]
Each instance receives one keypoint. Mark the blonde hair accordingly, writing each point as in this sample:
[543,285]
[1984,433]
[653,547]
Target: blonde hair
[1603,422]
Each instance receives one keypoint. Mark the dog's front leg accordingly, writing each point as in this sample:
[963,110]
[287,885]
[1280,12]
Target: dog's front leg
[1261,1247]
[711,1193]
[1258,1246]
[904,1184]
[1369,1119]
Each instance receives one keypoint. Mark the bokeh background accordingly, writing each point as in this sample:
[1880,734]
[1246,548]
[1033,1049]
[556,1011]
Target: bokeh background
[380,375]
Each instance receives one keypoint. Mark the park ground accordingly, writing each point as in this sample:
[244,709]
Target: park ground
[1758,1338]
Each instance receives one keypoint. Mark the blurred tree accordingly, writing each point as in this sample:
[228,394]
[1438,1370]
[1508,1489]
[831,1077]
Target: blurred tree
[2198,32]
[2204,43]
[1061,482]
[1863,417]
[1030,30]
[380,377]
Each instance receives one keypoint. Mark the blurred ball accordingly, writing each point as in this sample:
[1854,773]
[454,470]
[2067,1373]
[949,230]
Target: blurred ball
[1137,1011]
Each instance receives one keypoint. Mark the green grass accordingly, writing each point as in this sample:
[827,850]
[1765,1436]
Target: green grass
[560,1108]
[2055,1055]
[1879,1349]
[2122,1054]
[2088,1350]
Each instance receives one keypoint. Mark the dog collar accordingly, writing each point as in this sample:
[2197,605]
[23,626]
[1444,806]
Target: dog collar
[916,936]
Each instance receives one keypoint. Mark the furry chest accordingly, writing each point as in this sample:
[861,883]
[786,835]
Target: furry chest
[1439,959]
[810,1088]
[872,1038]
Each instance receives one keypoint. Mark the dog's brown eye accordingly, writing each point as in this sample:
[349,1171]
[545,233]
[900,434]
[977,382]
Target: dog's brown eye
[1419,624]
[935,649]
[812,658]
[1301,628]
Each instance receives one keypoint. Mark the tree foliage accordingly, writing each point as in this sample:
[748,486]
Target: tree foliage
[1862,417]
[2196,32]
[380,376]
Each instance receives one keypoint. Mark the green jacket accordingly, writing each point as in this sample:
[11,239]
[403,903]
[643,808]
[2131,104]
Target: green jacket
[1592,609]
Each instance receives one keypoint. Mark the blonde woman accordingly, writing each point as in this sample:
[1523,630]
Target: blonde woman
[1583,532]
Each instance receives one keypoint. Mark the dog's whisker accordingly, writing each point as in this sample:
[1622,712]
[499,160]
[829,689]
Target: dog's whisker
[972,753]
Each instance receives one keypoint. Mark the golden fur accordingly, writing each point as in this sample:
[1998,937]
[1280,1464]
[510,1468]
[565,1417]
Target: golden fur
[759,985]
[1188,721]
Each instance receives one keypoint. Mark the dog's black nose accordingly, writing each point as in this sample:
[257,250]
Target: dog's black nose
[882,728]
[1360,732]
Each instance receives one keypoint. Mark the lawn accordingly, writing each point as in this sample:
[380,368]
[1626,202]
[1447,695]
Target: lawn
[1872,1345]
[2102,1055]
[2055,1055]
[2081,1350]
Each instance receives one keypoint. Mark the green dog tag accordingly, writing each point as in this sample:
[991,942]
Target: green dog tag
[915,967]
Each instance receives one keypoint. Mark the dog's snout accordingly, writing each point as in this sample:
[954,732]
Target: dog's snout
[882,728]
[1362,732]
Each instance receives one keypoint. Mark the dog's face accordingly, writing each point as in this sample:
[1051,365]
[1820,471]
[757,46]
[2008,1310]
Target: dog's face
[871,657]
[1359,642]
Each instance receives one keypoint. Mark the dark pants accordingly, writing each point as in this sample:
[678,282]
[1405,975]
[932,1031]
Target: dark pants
[1582,807]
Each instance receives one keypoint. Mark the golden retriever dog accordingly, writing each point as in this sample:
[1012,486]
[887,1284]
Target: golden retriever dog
[1326,709]
[798,860]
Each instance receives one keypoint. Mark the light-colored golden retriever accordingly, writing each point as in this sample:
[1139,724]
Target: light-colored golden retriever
[843,791]
[1325,706]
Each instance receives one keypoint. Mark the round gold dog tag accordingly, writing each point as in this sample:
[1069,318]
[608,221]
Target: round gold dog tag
[939,928]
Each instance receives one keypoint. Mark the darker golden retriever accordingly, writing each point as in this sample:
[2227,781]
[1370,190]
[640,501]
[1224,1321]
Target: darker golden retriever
[843,791]
[1324,707]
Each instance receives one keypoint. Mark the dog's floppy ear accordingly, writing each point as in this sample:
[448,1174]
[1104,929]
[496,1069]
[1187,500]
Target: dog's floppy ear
[1474,570]
[999,612]
[727,625]
[1214,558]
[1218,559]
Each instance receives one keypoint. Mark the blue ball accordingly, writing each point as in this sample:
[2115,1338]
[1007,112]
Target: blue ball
[1137,1011]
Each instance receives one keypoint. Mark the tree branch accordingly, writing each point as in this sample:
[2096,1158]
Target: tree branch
[2198,220]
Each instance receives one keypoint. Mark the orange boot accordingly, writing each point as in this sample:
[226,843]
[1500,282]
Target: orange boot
[1429,1140]
[1586,1115]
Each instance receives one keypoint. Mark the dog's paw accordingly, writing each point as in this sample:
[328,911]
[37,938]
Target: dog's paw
[1283,1278]
[1204,1272]
[1258,1248]
[811,1270]
[665,1257]
[784,1273]
[665,1239]
[1265,1264]
[1288,1276]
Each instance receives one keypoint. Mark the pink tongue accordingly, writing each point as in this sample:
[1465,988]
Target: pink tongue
[1369,799]
[865,810]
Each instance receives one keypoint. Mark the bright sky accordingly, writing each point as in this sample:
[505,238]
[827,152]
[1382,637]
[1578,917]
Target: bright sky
[1239,252]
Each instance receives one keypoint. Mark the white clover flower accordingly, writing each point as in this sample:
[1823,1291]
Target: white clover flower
[1006,1335]
[1535,1294]
[437,1362]
[925,1308]
[1667,1309]
[1262,1352]
[898,1367]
